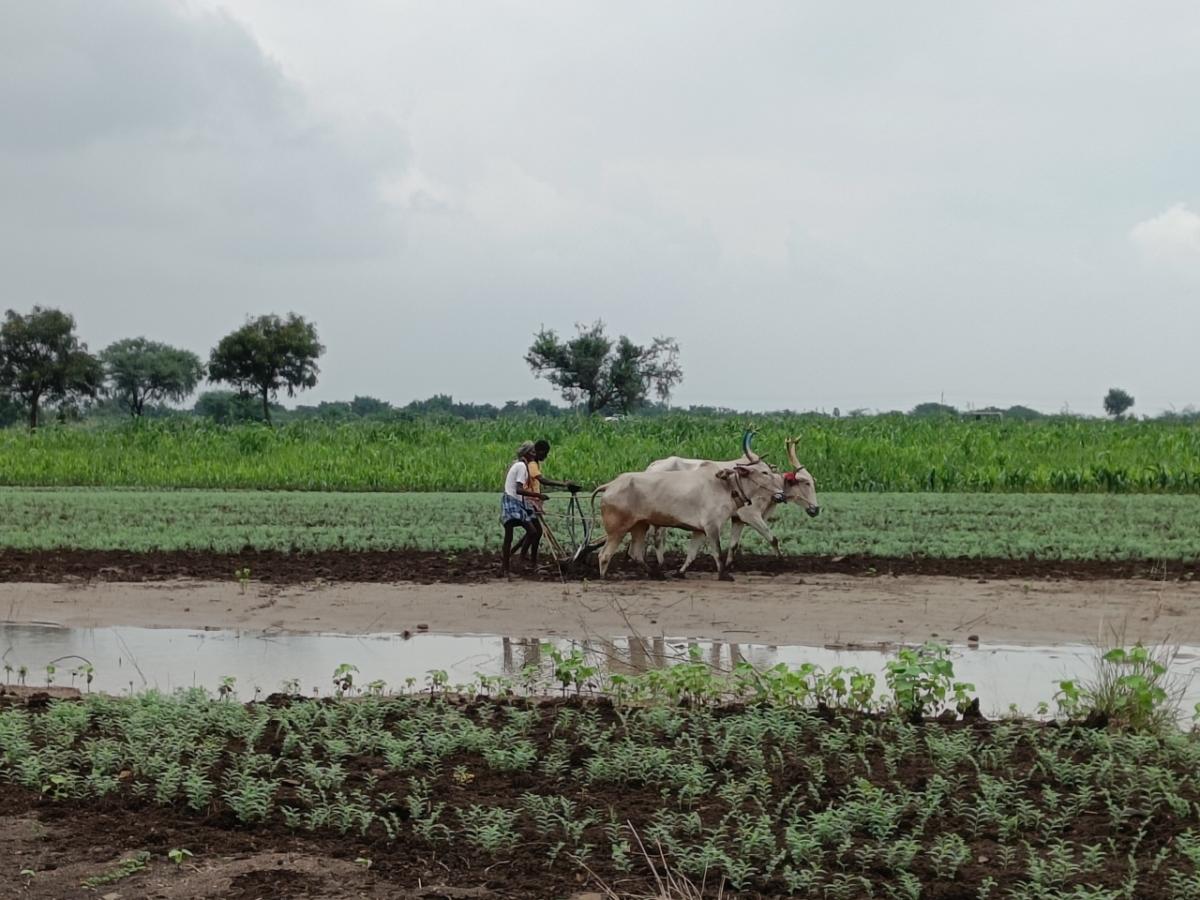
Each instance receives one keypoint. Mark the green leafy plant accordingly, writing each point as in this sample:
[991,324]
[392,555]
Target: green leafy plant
[948,853]
[343,679]
[922,680]
[1131,687]
[570,669]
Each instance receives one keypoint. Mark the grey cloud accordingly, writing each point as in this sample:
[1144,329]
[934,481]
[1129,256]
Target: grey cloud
[147,115]
[78,73]
[827,204]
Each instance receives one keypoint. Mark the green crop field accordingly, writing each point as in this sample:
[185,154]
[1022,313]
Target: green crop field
[883,453]
[1042,526]
[816,784]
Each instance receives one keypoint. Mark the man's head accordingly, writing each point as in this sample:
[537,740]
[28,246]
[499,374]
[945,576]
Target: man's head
[541,450]
[526,451]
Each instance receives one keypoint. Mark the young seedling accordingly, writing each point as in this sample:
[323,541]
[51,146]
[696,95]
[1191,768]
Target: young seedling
[226,687]
[243,577]
[178,855]
[343,679]
[123,869]
[86,672]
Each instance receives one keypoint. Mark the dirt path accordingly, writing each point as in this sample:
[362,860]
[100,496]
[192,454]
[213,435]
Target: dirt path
[813,610]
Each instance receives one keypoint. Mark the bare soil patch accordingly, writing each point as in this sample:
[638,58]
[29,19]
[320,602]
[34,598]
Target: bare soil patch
[813,610]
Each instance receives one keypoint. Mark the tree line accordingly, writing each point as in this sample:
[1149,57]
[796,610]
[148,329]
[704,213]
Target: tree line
[44,364]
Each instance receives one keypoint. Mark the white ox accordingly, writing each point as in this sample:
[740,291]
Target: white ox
[806,497]
[700,499]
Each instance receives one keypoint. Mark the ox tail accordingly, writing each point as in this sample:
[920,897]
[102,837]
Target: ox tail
[600,489]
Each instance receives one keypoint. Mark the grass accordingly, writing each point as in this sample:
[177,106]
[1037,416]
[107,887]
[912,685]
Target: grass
[1043,526]
[882,453]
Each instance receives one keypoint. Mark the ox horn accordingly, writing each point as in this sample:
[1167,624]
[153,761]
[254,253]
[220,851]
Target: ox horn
[791,452]
[747,437]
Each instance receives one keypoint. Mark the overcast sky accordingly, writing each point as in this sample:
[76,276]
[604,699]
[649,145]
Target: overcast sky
[853,205]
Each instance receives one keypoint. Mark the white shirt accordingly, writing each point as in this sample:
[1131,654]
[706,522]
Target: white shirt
[518,473]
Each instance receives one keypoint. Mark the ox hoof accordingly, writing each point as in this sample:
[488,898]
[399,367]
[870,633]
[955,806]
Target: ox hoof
[725,576]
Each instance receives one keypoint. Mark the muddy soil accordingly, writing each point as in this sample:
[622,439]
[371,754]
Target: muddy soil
[428,567]
[813,610]
[65,846]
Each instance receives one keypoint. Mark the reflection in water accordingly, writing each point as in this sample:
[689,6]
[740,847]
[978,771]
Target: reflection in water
[129,659]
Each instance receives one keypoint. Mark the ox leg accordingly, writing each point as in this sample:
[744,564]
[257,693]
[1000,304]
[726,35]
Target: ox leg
[759,524]
[637,543]
[658,540]
[694,544]
[735,538]
[714,547]
[610,548]
[612,544]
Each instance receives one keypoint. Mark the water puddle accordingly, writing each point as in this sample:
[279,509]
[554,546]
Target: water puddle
[125,659]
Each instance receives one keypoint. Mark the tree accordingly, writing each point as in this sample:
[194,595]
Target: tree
[10,411]
[605,377]
[1022,413]
[370,407]
[266,355]
[41,359]
[141,371]
[229,407]
[1116,402]
[933,409]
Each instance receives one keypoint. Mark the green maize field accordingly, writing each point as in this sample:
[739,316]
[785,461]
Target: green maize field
[1040,526]
[883,453]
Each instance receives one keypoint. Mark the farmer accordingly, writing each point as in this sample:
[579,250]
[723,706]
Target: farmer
[516,509]
[537,481]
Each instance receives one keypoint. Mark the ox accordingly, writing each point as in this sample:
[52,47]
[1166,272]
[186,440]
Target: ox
[806,496]
[700,499]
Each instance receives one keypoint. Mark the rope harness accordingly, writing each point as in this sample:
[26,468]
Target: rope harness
[739,493]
